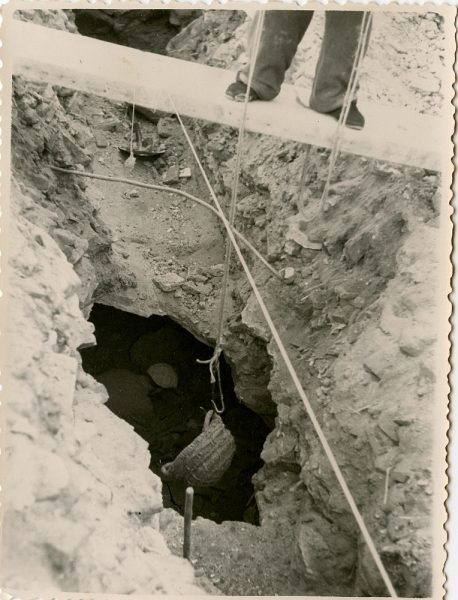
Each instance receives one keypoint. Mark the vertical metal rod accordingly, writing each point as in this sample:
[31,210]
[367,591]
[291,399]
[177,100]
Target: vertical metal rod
[187,522]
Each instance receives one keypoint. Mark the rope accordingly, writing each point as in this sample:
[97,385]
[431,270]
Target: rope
[233,206]
[170,190]
[213,364]
[235,185]
[308,407]
[129,163]
[214,360]
[351,89]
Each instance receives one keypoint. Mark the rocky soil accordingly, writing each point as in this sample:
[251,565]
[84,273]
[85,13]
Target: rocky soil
[80,515]
[404,64]
[358,318]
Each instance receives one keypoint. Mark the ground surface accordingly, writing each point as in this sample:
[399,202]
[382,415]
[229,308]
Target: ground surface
[354,323]
[404,65]
[358,319]
[157,233]
[241,559]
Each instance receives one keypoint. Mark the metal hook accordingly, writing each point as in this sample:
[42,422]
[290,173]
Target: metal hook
[213,365]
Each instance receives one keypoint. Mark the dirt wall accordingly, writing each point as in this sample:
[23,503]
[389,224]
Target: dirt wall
[358,321]
[351,319]
[80,508]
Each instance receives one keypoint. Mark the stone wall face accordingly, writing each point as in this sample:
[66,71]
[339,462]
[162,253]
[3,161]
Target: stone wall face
[81,505]
[80,502]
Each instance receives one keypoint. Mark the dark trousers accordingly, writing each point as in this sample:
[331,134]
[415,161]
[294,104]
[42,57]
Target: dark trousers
[282,32]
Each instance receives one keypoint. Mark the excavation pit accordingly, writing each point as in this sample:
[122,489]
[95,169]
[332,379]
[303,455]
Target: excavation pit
[171,418]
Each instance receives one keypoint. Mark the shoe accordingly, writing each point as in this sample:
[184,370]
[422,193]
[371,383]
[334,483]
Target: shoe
[238,90]
[355,119]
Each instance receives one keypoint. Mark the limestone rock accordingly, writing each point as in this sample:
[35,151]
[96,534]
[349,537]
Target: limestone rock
[168,282]
[280,448]
[72,246]
[382,362]
[165,127]
[253,319]
[216,270]
[198,288]
[289,275]
[185,173]
[110,125]
[172,175]
[323,553]
[100,140]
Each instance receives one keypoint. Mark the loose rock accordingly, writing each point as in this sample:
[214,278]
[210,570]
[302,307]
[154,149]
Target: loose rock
[165,127]
[168,282]
[172,175]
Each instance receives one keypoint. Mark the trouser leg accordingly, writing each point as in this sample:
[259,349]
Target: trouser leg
[338,50]
[282,31]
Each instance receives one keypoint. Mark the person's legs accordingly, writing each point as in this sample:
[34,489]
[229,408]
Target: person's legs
[282,31]
[338,50]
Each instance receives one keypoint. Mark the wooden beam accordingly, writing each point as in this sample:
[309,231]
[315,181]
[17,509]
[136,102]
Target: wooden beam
[115,72]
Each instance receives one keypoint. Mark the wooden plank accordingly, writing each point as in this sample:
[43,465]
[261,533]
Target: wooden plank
[114,71]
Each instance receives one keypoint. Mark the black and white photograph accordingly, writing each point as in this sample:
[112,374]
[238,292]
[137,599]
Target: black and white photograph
[226,268]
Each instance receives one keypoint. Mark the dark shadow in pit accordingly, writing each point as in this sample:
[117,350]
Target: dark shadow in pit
[148,30]
[169,419]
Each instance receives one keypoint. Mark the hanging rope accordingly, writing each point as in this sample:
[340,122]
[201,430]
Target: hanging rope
[235,184]
[129,163]
[349,95]
[214,360]
[213,364]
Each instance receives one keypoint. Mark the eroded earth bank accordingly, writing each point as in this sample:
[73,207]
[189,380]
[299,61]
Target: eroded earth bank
[140,271]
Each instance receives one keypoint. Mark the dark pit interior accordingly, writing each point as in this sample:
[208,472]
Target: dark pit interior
[148,30]
[169,419]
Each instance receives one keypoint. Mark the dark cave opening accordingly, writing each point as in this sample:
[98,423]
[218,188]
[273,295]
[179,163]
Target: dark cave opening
[171,418]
